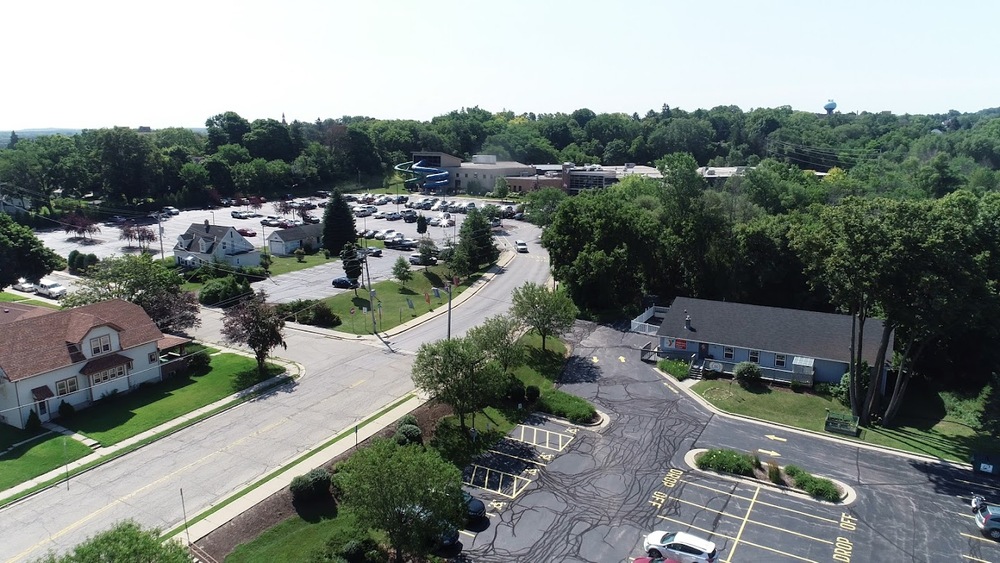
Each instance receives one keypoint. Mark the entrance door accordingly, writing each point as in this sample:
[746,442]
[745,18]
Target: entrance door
[702,350]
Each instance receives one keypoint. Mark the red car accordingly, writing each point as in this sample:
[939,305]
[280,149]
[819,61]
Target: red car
[247,232]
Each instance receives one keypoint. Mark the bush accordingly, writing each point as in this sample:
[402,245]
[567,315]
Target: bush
[817,487]
[823,389]
[515,390]
[726,461]
[323,316]
[314,484]
[91,261]
[199,361]
[66,410]
[747,374]
[531,393]
[407,419]
[570,407]
[795,386]
[356,551]
[842,392]
[223,291]
[34,423]
[71,259]
[774,473]
[711,374]
[409,434]
[300,254]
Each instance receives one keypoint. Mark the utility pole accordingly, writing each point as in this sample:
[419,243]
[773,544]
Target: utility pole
[159,234]
[449,288]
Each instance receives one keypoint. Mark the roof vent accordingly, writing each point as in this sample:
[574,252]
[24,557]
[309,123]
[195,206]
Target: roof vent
[207,227]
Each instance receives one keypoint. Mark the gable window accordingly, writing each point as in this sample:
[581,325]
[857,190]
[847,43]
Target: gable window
[100,345]
[755,356]
[154,358]
[779,360]
[66,386]
[727,353]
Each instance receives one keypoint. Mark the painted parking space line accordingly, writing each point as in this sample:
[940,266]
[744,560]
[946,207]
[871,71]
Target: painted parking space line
[495,481]
[541,438]
[704,508]
[764,503]
[743,525]
[980,538]
[971,558]
[518,458]
[981,485]
[724,536]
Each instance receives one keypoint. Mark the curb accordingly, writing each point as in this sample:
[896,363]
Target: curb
[805,432]
[849,497]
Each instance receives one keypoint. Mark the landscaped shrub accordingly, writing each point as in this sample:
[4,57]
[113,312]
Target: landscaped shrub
[323,316]
[199,362]
[34,423]
[407,419]
[817,487]
[91,261]
[567,406]
[710,374]
[356,551]
[676,368]
[726,461]
[71,259]
[312,485]
[747,374]
[225,291]
[531,393]
[515,390]
[409,434]
[774,473]
[66,410]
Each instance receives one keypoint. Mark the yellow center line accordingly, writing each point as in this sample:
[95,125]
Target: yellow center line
[739,534]
[360,381]
[765,503]
[755,522]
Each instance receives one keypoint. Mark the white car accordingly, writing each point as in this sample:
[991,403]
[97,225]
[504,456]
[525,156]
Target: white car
[25,286]
[51,289]
[380,214]
[521,246]
[170,210]
[682,546]
[388,233]
[434,221]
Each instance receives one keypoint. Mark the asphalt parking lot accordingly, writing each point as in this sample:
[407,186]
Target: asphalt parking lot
[605,488]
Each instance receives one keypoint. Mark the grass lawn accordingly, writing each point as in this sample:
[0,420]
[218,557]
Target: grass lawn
[392,296]
[11,298]
[10,435]
[285,264]
[38,457]
[133,413]
[924,426]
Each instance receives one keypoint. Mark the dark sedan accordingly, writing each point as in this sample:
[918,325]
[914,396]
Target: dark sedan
[344,282]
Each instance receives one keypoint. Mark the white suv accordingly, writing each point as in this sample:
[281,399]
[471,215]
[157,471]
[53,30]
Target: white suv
[51,289]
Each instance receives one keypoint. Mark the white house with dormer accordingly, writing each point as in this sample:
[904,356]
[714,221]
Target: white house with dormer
[207,244]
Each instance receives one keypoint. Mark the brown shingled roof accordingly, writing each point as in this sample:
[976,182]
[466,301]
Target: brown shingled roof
[31,346]
[11,312]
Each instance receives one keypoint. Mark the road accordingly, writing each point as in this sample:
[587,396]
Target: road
[345,381]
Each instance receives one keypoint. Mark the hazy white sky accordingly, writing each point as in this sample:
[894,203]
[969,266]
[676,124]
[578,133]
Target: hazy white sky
[101,63]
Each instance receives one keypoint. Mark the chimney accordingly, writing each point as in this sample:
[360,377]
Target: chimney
[687,322]
[207,227]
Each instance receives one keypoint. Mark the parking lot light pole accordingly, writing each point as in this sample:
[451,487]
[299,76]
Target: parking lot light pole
[449,288]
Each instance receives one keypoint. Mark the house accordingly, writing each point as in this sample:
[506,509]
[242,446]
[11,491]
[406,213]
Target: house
[787,344]
[285,241]
[207,244]
[76,355]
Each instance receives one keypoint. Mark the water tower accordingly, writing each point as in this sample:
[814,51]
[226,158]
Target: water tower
[830,106]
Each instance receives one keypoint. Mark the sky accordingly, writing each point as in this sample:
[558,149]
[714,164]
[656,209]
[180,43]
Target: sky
[106,63]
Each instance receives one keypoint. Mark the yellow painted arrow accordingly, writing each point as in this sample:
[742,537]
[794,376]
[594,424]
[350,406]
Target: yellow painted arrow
[770,453]
[776,438]
[594,359]
[621,359]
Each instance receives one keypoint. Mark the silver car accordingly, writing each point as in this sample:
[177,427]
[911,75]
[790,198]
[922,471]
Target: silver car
[988,520]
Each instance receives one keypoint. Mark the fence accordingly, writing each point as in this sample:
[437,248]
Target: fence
[640,325]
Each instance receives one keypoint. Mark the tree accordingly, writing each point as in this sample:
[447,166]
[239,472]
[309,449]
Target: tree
[475,239]
[352,262]
[549,313]
[126,541]
[498,336]
[338,224]
[541,205]
[23,255]
[401,270]
[141,280]
[421,224]
[500,188]
[257,325]
[458,373]
[408,492]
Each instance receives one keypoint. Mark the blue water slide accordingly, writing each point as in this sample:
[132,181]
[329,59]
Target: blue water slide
[422,177]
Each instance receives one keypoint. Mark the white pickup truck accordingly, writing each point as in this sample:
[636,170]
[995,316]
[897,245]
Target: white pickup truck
[51,289]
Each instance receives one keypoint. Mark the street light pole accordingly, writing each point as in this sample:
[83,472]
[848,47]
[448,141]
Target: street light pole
[159,234]
[449,288]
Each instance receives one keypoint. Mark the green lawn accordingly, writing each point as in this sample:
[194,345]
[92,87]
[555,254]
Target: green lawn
[392,296]
[11,298]
[133,413]
[924,425]
[38,457]
[285,264]
[10,435]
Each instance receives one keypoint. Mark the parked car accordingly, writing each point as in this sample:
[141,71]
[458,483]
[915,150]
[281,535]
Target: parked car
[380,214]
[312,219]
[239,214]
[246,232]
[434,221]
[370,233]
[373,251]
[118,219]
[476,507]
[400,199]
[51,289]
[362,212]
[169,210]
[384,234]
[25,286]
[322,193]
[271,221]
[988,520]
[654,560]
[683,546]
[521,246]
[345,282]
[417,260]
[393,216]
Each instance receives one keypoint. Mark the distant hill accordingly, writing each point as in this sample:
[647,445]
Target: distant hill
[32,133]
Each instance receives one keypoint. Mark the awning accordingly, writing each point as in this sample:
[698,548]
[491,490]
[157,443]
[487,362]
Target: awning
[42,393]
[102,363]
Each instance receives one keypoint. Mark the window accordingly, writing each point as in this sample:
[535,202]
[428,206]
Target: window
[66,386]
[154,357]
[779,360]
[100,345]
[108,375]
[755,356]
[727,353]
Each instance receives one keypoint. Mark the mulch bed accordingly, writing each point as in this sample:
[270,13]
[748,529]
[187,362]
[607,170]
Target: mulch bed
[278,507]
